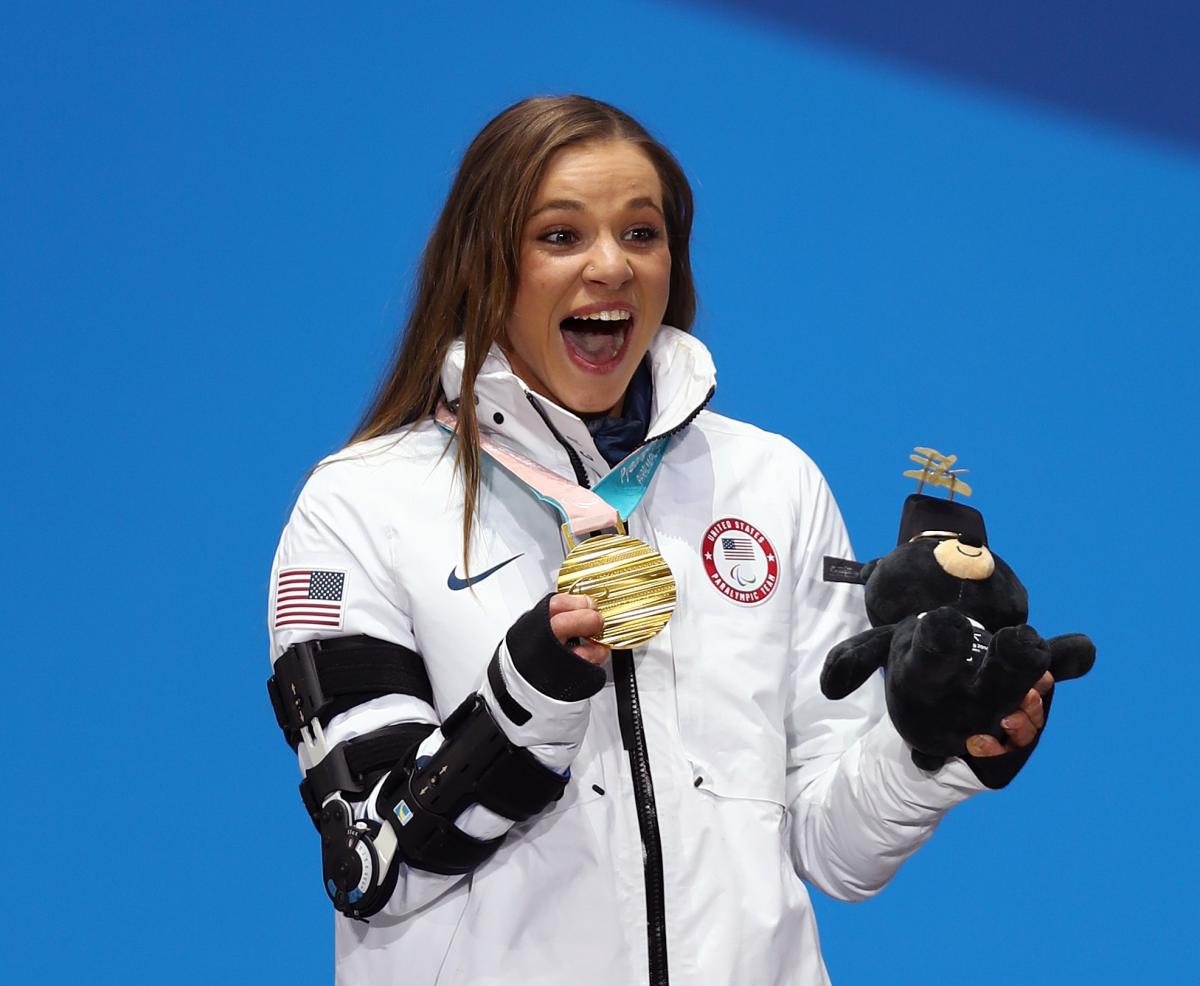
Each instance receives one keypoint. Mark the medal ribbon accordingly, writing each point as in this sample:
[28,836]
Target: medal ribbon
[583,511]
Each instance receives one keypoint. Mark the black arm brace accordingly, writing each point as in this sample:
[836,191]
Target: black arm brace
[315,680]
[318,679]
[475,764]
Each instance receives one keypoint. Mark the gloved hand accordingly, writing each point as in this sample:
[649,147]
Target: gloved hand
[572,620]
[996,759]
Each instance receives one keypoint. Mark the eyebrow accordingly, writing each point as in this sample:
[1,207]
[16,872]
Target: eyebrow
[572,205]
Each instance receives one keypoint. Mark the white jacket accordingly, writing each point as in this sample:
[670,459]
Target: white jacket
[759,782]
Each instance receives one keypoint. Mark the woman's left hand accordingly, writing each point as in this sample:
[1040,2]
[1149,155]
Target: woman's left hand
[1022,725]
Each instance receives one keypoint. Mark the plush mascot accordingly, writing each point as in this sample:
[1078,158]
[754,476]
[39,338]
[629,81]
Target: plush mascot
[948,628]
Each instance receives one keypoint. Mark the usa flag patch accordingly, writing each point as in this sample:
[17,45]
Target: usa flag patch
[740,561]
[309,597]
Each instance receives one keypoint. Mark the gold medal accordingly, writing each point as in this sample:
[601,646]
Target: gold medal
[629,581]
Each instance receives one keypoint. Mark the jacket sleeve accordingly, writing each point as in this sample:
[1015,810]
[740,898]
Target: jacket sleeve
[859,806]
[331,531]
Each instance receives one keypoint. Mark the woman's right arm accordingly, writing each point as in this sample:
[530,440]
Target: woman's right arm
[413,780]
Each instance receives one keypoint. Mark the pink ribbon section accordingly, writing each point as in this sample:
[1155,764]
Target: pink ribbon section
[583,511]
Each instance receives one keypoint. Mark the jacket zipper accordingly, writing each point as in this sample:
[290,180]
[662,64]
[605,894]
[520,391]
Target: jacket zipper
[633,739]
[684,423]
[576,462]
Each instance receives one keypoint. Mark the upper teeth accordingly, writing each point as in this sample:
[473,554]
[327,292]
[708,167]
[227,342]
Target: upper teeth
[616,315]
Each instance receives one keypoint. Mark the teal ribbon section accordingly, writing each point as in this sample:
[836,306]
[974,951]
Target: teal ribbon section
[623,488]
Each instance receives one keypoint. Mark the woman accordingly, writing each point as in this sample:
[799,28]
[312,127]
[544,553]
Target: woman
[669,801]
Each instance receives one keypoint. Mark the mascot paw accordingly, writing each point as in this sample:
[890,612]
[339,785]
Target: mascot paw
[1072,656]
[941,647]
[1022,651]
[943,631]
[1016,659]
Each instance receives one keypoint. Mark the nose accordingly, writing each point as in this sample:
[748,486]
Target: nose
[607,264]
[970,541]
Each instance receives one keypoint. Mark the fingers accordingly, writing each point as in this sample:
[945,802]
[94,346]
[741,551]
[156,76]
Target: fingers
[1021,727]
[591,652]
[564,602]
[576,623]
[1031,706]
[573,618]
[985,746]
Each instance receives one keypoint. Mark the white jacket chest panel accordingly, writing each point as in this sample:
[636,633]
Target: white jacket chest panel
[457,627]
[730,658]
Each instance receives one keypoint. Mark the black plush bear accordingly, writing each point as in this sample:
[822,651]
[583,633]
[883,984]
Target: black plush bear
[948,626]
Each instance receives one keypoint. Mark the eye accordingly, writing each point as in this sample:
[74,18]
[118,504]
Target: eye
[643,234]
[559,237]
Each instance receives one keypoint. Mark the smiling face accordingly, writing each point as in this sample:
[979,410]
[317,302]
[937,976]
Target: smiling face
[594,278]
[964,560]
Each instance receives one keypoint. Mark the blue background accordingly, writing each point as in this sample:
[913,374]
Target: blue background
[973,230]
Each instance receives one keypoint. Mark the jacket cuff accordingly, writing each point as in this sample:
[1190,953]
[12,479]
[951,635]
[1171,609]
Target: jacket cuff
[546,664]
[549,729]
[935,791]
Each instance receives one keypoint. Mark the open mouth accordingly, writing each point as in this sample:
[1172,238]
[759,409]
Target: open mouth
[597,339]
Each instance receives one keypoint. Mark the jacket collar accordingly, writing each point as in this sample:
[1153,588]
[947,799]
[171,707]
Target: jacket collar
[684,379]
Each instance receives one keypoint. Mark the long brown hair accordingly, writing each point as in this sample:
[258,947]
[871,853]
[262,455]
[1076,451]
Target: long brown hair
[468,274]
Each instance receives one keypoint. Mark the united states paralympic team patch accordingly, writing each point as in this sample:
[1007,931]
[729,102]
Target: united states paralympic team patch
[740,561]
[309,597]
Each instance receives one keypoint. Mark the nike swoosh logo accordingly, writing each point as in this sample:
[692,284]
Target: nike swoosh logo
[454,583]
